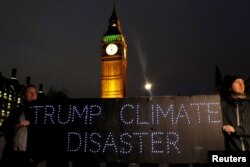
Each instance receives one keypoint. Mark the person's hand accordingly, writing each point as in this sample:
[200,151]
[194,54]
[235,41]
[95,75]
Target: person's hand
[23,123]
[228,129]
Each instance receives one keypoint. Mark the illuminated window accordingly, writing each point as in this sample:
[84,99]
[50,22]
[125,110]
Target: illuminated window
[10,97]
[9,106]
[5,95]
[3,113]
[18,100]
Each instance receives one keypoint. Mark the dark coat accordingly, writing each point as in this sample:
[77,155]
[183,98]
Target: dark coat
[8,129]
[241,137]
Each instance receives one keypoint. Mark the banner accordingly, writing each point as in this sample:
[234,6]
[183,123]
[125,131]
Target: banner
[176,129]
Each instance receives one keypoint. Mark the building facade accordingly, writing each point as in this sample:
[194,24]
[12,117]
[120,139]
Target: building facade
[10,95]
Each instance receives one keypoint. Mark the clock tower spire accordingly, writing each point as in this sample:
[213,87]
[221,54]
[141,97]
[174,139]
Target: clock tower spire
[113,60]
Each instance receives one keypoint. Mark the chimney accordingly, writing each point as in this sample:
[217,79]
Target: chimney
[40,90]
[28,80]
[13,73]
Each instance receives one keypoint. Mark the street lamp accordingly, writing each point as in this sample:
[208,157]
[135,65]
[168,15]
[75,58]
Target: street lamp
[148,87]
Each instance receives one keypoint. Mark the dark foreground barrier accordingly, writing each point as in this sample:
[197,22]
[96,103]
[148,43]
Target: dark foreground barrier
[166,130]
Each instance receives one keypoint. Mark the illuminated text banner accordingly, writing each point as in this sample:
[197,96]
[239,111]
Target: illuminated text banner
[176,129]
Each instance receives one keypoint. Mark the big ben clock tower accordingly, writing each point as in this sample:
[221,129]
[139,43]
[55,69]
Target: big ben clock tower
[113,61]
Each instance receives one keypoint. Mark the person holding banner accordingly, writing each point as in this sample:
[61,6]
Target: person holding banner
[16,130]
[236,114]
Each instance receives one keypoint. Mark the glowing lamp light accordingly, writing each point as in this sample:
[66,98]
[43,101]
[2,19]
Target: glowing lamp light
[148,86]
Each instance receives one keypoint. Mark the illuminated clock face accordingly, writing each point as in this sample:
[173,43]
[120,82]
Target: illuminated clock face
[111,49]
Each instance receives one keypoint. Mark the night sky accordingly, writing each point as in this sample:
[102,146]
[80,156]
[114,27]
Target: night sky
[175,44]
